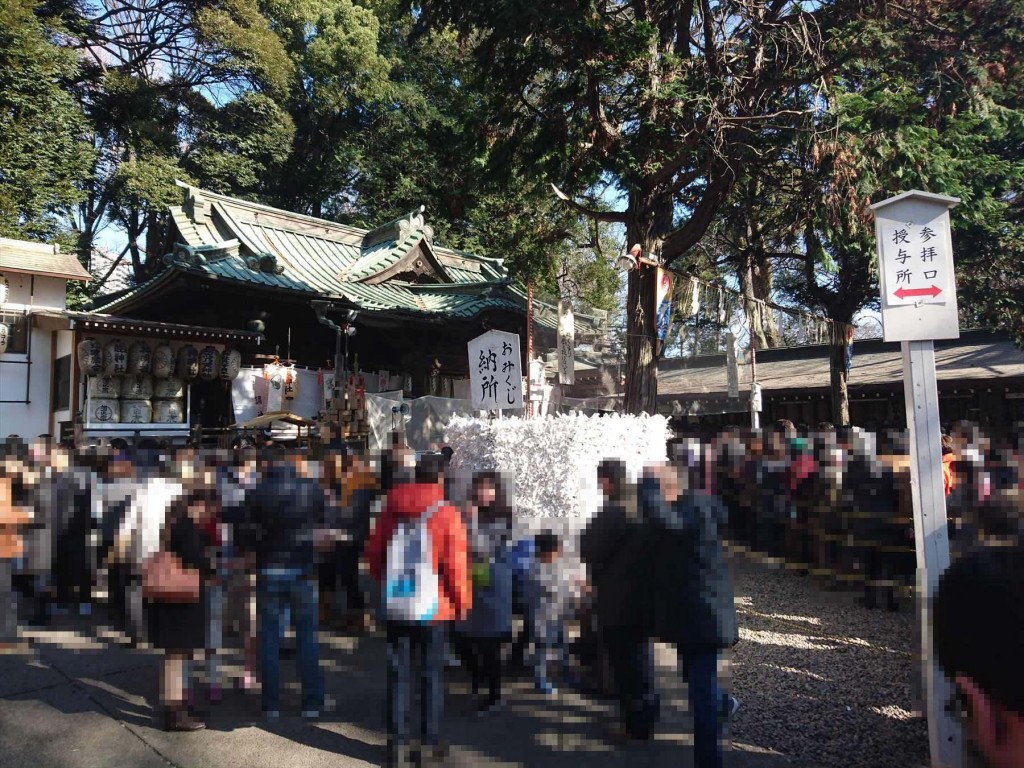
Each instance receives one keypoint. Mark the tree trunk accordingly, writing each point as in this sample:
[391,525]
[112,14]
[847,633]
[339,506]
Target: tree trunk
[761,283]
[641,341]
[750,308]
[641,394]
[838,344]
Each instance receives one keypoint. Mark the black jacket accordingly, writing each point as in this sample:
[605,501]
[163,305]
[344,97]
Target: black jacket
[612,546]
[279,518]
[692,598]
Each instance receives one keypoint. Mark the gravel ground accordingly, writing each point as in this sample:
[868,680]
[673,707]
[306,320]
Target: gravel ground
[822,680]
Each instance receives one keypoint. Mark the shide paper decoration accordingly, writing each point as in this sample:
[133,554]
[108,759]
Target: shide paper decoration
[553,460]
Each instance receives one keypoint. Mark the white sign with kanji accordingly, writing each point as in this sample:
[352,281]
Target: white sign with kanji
[917,281]
[916,261]
[495,371]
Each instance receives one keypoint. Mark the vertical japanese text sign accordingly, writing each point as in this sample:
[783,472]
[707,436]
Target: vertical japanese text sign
[495,371]
[915,267]
[918,292]
[566,343]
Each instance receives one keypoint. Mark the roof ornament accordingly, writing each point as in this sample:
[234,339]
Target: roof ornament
[264,262]
[199,255]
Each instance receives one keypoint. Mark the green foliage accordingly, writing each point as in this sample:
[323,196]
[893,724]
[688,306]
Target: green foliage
[43,154]
[239,144]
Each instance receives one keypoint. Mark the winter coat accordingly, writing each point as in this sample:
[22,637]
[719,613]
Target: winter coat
[280,516]
[12,519]
[492,573]
[613,547]
[409,501]
[692,601]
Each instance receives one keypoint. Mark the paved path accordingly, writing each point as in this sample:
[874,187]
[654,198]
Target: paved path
[83,699]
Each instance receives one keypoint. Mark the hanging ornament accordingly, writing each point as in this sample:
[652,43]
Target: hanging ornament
[5,291]
[90,357]
[209,363]
[694,296]
[5,336]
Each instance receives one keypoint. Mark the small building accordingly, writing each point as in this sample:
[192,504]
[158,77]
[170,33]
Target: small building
[410,304]
[980,379]
[36,364]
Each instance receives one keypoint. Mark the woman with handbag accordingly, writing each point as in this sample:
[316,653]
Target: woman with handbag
[174,580]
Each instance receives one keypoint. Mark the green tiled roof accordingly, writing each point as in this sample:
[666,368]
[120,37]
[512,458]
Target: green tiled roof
[327,260]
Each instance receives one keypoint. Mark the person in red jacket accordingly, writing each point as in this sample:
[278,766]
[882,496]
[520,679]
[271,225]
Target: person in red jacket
[423,637]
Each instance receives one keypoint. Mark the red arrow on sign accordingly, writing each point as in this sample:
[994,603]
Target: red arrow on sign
[904,293]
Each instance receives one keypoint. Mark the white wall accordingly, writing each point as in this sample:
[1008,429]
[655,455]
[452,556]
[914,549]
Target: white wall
[46,292]
[32,418]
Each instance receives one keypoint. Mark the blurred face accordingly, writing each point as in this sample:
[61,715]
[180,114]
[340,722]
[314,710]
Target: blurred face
[997,732]
[201,511]
[485,494]
[606,485]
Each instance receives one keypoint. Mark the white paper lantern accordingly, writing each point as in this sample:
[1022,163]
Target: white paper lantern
[140,358]
[115,358]
[209,363]
[162,363]
[188,363]
[230,364]
[90,357]
[5,336]
[5,291]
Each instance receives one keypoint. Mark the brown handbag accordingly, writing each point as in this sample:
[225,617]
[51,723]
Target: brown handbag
[165,578]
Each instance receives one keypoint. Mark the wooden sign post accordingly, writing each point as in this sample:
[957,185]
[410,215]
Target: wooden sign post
[918,292]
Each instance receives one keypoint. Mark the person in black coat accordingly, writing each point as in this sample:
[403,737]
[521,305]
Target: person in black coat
[179,629]
[612,547]
[691,592]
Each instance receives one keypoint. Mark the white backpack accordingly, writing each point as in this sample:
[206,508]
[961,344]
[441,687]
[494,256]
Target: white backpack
[412,587]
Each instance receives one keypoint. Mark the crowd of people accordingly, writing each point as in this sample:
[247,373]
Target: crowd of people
[836,502]
[191,546]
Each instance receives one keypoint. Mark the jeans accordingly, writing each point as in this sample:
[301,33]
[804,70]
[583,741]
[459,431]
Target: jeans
[632,661]
[279,589]
[409,644]
[8,603]
[549,646]
[700,668]
[214,632]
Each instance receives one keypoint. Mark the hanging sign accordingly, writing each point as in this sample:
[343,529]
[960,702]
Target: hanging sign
[566,344]
[495,371]
[915,257]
